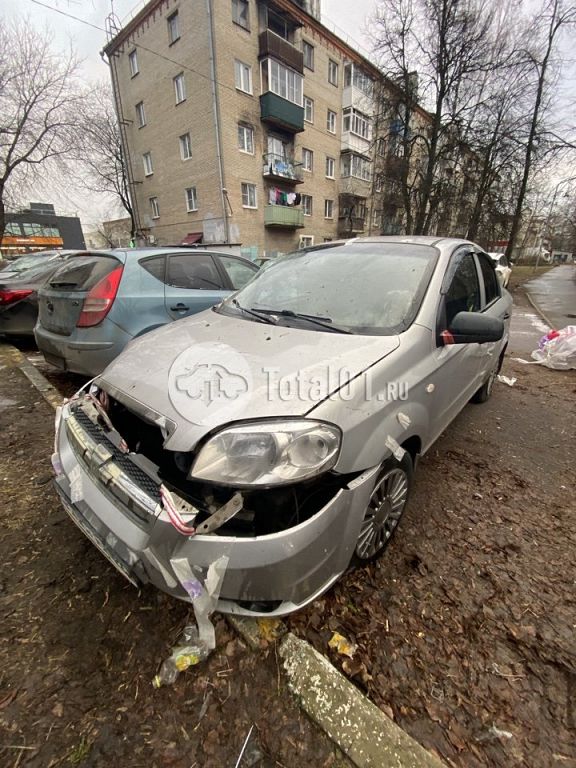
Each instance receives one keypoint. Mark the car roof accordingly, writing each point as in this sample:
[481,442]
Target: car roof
[435,241]
[132,253]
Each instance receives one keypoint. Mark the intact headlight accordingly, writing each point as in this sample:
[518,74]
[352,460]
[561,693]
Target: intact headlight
[268,453]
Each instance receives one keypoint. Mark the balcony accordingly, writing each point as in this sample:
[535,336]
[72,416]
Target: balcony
[350,225]
[271,44]
[278,168]
[281,113]
[283,216]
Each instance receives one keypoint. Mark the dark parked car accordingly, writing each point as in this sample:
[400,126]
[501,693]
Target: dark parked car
[20,281]
[91,309]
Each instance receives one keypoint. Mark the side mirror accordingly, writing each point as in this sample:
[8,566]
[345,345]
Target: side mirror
[473,328]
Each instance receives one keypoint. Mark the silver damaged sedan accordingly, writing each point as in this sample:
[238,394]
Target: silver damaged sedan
[277,433]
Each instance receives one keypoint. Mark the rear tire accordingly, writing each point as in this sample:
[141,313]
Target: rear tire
[485,390]
[385,508]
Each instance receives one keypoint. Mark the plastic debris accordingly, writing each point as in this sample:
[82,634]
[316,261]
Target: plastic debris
[397,451]
[190,650]
[343,646]
[557,349]
[430,388]
[403,420]
[507,380]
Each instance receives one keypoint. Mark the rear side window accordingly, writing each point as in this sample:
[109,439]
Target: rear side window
[238,272]
[156,266]
[463,295]
[83,272]
[195,271]
[490,278]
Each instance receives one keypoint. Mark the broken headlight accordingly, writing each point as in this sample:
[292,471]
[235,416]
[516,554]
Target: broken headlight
[268,453]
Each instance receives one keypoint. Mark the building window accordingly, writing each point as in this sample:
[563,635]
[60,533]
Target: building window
[249,195]
[308,110]
[330,167]
[133,61]
[154,207]
[185,147]
[331,122]
[246,138]
[140,114]
[356,166]
[282,81]
[240,13]
[359,79]
[180,88]
[376,219]
[332,72]
[173,27]
[379,183]
[307,205]
[355,122]
[307,160]
[381,149]
[328,209]
[243,76]
[308,51]
[306,241]
[148,167]
[191,199]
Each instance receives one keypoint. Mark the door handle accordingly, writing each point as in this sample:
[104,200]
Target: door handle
[179,307]
[506,316]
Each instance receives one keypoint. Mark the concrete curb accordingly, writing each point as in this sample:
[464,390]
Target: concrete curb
[538,310]
[362,732]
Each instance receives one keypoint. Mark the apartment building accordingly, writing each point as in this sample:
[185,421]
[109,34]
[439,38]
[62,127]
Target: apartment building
[248,121]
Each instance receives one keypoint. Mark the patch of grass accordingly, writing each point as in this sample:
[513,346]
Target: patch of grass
[80,752]
[522,274]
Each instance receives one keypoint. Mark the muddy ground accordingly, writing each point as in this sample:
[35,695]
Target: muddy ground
[465,628]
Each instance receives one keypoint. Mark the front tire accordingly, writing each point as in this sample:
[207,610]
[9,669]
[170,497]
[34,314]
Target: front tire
[384,510]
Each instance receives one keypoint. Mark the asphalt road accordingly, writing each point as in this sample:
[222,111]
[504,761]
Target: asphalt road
[555,294]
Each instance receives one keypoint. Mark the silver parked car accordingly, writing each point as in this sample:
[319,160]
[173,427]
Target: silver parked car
[278,432]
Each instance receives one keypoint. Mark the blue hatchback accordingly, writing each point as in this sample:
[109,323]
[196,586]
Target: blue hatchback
[92,307]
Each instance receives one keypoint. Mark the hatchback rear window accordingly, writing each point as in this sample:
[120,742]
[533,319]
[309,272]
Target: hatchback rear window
[83,273]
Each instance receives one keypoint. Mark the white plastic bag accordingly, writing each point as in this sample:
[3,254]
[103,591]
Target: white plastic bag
[557,349]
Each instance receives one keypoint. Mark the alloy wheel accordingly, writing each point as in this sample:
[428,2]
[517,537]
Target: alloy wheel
[383,513]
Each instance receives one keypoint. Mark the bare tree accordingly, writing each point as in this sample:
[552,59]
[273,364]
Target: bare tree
[100,158]
[542,39]
[39,98]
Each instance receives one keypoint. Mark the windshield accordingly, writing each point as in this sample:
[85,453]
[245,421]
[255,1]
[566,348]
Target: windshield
[30,261]
[367,288]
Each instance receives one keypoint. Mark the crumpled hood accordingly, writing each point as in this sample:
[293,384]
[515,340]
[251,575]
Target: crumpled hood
[208,370]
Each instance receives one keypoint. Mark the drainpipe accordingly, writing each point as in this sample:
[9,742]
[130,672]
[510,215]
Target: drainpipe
[216,110]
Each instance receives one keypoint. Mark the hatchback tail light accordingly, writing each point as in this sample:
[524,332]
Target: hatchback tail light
[99,300]
[11,297]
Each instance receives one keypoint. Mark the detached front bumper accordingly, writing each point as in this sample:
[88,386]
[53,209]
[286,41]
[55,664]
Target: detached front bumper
[118,508]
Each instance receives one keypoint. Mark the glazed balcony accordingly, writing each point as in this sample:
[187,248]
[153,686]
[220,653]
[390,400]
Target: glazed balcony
[283,216]
[271,44]
[282,113]
[276,167]
[350,225]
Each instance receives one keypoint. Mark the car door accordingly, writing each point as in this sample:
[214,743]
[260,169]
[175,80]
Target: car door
[457,373]
[238,271]
[193,282]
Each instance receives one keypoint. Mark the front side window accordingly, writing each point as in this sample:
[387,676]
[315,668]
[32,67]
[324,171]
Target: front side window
[328,209]
[180,88]
[332,72]
[140,114]
[185,146]
[148,167]
[307,159]
[191,199]
[463,294]
[308,51]
[246,138]
[238,272]
[331,121]
[154,207]
[240,13]
[491,284]
[307,205]
[173,28]
[133,61]
[308,110]
[195,271]
[330,166]
[243,76]
[384,284]
[248,195]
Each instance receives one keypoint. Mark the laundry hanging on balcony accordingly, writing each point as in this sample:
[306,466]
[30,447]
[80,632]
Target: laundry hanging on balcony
[278,197]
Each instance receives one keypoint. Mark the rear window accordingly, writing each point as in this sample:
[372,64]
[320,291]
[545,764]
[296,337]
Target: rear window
[83,272]
[491,283]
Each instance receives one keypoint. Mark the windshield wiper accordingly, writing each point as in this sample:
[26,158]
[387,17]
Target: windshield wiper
[324,322]
[264,318]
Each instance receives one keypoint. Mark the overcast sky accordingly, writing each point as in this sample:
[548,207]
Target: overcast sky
[88,41]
